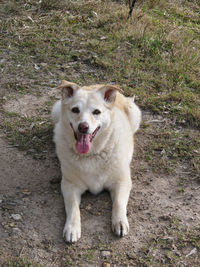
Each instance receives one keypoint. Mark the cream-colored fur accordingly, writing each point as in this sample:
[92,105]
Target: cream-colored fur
[106,164]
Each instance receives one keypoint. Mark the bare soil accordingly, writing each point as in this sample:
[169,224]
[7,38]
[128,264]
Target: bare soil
[30,188]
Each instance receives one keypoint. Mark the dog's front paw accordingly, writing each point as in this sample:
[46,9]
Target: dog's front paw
[120,226]
[72,232]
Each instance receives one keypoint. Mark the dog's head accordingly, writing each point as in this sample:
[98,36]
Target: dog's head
[87,111]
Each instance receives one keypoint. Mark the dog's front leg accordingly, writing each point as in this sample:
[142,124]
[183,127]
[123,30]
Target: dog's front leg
[120,194]
[72,198]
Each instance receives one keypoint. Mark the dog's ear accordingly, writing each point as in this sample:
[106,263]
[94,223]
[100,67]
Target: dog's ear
[67,89]
[109,93]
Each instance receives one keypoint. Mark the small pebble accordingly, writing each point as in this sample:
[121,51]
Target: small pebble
[43,64]
[26,192]
[21,130]
[16,230]
[16,217]
[105,264]
[105,253]
[11,224]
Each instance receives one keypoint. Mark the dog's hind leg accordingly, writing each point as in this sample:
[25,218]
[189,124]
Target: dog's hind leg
[120,194]
[72,198]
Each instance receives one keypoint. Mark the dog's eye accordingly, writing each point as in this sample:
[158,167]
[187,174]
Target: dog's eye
[96,112]
[75,110]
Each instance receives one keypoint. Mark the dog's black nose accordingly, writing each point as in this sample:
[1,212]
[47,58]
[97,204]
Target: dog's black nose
[83,127]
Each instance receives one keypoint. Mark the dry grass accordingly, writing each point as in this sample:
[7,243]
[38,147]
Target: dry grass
[86,42]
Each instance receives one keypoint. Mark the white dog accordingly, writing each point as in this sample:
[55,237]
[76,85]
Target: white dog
[94,127]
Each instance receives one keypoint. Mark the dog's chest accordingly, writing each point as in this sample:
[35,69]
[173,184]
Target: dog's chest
[94,172]
[96,183]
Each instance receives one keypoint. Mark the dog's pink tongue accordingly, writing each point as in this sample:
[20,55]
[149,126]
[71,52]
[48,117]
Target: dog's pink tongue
[83,143]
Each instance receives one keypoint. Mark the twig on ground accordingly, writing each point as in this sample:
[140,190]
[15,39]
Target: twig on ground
[131,6]
[156,121]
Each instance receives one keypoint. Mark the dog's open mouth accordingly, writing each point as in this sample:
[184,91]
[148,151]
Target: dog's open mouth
[83,141]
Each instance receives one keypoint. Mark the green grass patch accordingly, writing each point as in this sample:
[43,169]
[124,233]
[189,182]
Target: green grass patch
[170,247]
[148,55]
[22,262]
[33,135]
[168,147]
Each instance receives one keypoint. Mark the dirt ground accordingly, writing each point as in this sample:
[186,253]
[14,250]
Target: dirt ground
[32,212]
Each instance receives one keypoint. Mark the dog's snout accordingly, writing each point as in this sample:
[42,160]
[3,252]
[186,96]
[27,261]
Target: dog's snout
[83,127]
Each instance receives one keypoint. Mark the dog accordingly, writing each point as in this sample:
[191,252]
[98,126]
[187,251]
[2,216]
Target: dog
[93,134]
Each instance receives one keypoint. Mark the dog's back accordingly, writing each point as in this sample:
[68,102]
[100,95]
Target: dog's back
[55,114]
[127,105]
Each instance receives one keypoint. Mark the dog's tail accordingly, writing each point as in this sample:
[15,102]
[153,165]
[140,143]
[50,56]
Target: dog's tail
[135,115]
[55,114]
